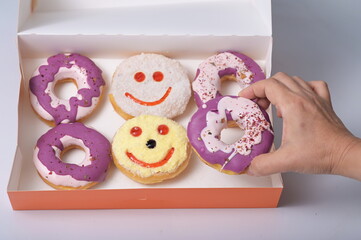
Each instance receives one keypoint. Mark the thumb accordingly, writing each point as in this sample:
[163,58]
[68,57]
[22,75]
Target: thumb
[269,163]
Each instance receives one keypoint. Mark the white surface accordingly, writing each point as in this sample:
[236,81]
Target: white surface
[309,41]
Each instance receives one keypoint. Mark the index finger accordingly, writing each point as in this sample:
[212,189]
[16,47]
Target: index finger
[272,89]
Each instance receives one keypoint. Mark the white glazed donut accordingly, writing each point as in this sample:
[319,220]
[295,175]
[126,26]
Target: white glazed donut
[150,84]
[66,67]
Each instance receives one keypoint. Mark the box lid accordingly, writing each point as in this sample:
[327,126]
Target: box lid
[136,17]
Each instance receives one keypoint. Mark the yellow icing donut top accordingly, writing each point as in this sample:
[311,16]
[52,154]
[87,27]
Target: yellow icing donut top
[148,145]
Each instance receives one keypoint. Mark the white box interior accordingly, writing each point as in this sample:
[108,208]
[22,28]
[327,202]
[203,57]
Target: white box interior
[46,32]
[156,17]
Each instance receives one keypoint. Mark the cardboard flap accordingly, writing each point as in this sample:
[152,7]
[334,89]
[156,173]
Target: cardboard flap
[160,17]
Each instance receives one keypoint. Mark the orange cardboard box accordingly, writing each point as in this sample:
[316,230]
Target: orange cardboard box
[109,31]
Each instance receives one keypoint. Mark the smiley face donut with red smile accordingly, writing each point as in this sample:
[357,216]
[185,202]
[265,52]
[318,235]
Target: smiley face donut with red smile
[150,149]
[150,84]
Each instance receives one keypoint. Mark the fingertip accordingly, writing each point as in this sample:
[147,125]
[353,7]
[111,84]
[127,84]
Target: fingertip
[255,168]
[268,163]
[263,103]
[249,172]
[246,92]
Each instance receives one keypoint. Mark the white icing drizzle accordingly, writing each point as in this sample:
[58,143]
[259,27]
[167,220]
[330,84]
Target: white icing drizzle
[38,108]
[75,72]
[248,117]
[69,141]
[79,75]
[208,83]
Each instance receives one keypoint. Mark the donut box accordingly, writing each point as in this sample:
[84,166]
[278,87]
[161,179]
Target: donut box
[108,32]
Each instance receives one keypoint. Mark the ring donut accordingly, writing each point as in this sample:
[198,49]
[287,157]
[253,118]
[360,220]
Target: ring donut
[66,67]
[204,131]
[61,175]
[225,65]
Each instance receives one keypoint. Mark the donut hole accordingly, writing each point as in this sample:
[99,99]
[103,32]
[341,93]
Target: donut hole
[66,88]
[73,154]
[231,134]
[229,86]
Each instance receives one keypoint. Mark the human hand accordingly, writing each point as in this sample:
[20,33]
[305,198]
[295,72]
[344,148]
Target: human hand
[314,139]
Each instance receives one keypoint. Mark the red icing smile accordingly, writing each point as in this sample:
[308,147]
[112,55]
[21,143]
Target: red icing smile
[151,165]
[149,103]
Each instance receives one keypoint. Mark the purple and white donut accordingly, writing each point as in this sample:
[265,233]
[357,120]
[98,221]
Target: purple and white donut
[62,175]
[80,69]
[207,83]
[204,131]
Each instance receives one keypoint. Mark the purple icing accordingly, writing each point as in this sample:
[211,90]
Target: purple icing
[99,146]
[39,83]
[250,64]
[239,162]
[227,71]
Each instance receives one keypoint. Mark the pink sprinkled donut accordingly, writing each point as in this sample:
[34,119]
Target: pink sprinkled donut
[62,67]
[204,131]
[207,83]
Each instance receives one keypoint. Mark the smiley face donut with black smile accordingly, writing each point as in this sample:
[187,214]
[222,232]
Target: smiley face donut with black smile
[150,149]
[150,84]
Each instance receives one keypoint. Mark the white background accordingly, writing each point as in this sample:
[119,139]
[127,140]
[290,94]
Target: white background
[317,40]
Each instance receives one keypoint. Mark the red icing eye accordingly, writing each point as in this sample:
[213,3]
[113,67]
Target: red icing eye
[139,77]
[135,131]
[158,76]
[163,129]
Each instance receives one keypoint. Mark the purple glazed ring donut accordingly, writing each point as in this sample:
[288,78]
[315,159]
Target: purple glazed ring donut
[64,67]
[61,175]
[207,83]
[204,131]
